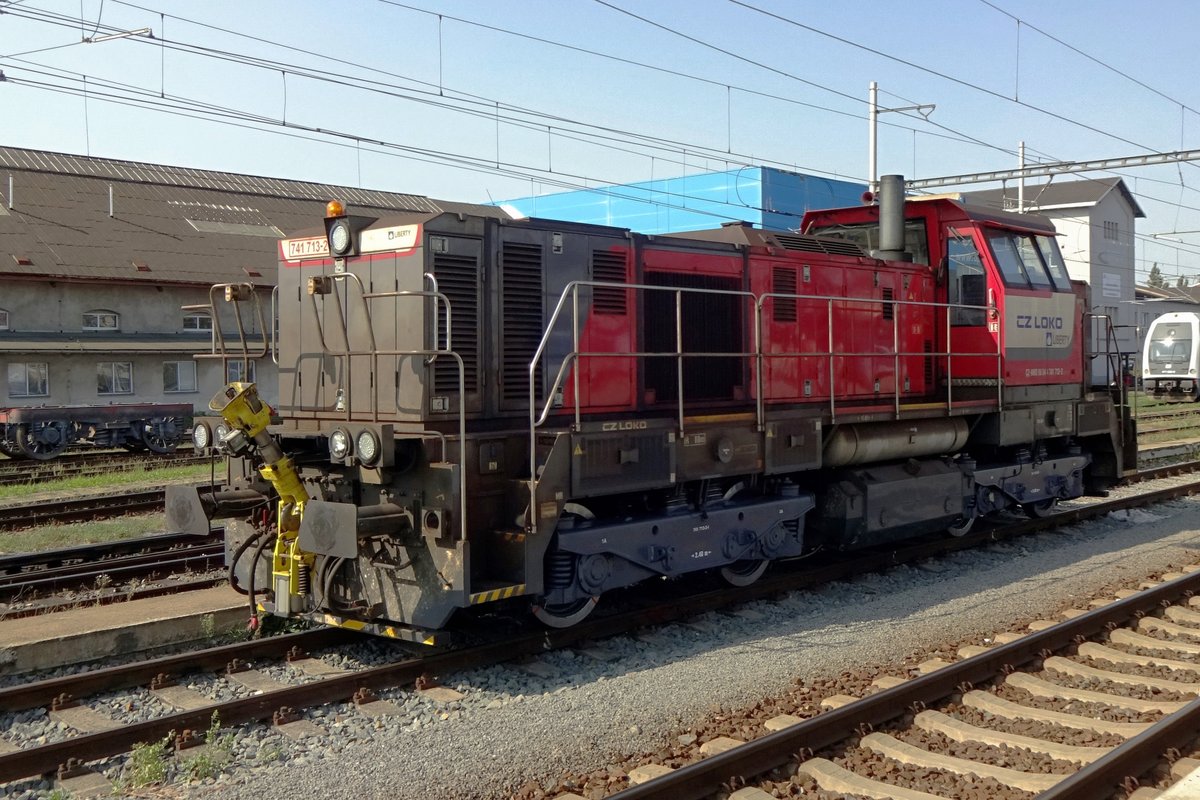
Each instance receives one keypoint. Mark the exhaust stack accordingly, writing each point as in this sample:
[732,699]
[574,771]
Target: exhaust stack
[891,219]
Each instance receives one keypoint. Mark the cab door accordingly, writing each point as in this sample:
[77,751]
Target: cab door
[972,317]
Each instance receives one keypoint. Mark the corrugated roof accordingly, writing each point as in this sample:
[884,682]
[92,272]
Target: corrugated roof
[1057,194]
[181,225]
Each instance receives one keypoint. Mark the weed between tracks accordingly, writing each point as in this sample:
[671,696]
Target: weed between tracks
[150,765]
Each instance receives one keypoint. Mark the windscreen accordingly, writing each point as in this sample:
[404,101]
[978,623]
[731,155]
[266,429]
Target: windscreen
[1170,345]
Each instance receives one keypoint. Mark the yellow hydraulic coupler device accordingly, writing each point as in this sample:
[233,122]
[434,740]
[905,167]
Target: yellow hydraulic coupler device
[248,417]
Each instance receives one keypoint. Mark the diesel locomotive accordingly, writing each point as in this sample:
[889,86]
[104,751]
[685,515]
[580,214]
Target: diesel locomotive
[479,409]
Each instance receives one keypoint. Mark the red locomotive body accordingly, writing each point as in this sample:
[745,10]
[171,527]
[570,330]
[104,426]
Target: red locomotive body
[478,408]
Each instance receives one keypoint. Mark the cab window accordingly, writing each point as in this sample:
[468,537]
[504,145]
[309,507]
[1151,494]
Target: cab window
[1055,265]
[967,280]
[1025,262]
[1008,258]
[866,236]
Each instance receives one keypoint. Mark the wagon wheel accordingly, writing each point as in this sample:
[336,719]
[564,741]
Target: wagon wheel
[10,448]
[1042,508]
[162,434]
[44,441]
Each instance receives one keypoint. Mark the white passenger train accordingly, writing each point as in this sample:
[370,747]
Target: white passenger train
[1169,367]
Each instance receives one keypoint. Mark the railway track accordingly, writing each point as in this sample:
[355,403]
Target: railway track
[275,700]
[55,511]
[107,572]
[22,472]
[1147,708]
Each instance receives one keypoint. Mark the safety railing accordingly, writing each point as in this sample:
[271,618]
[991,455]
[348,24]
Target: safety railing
[234,294]
[571,294]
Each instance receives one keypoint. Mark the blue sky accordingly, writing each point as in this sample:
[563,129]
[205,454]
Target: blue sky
[450,106]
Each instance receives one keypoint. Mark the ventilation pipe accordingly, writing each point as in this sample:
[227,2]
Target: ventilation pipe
[891,219]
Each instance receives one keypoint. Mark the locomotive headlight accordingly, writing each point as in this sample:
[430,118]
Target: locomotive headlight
[201,436]
[221,432]
[340,238]
[339,444]
[367,445]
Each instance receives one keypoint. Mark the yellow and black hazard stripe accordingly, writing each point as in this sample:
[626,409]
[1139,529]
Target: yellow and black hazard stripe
[402,632]
[497,594]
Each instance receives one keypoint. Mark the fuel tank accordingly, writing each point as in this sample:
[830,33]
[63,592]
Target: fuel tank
[871,442]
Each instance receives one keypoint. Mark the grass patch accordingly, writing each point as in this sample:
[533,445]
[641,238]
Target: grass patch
[154,477]
[54,537]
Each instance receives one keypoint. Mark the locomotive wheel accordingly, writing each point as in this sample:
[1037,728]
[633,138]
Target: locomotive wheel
[962,528]
[746,572]
[1042,508]
[49,441]
[566,614]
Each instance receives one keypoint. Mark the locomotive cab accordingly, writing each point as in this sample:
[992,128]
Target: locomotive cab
[1170,358]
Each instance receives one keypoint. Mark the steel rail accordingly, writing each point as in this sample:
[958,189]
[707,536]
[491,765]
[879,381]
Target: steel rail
[34,761]
[702,778]
[82,510]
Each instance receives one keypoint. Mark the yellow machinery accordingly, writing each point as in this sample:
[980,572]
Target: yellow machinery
[248,418]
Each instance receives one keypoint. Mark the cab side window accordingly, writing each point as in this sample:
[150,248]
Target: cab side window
[967,280]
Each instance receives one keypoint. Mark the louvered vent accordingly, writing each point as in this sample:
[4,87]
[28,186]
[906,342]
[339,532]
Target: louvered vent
[783,281]
[889,308]
[610,267]
[458,279]
[817,244]
[521,273]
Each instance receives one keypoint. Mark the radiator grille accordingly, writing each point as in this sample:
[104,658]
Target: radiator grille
[889,308]
[817,244]
[521,274]
[609,266]
[458,279]
[783,281]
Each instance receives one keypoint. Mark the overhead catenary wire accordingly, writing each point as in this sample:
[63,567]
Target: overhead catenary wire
[681,148]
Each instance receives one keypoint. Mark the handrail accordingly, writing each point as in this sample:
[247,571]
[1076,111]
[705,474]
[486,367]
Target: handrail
[572,289]
[275,324]
[218,338]
[538,417]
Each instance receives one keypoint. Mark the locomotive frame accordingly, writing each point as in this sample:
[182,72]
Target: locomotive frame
[476,409]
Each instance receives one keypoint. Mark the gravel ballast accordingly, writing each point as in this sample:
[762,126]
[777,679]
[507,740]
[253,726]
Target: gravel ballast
[512,728]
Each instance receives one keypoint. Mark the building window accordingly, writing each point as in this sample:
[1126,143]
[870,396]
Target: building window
[239,371]
[197,322]
[101,321]
[28,380]
[3,320]
[114,377]
[179,376]
[1111,232]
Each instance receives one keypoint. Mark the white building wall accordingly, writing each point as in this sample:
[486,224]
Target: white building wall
[45,321]
[1103,255]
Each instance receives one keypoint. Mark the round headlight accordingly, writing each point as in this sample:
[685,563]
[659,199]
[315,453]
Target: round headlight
[367,446]
[221,432]
[339,444]
[201,436]
[339,238]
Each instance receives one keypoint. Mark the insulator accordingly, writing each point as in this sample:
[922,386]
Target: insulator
[302,579]
[560,570]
